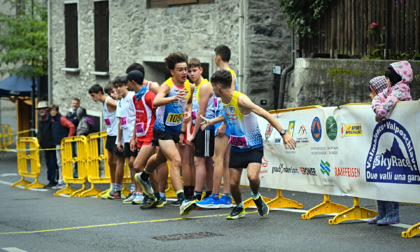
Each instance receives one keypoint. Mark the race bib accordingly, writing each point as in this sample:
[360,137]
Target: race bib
[108,122]
[194,115]
[238,141]
[140,129]
[123,122]
[174,119]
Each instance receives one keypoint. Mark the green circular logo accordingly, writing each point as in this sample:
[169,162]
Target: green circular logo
[331,128]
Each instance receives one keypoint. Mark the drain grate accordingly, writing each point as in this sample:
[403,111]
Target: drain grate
[177,237]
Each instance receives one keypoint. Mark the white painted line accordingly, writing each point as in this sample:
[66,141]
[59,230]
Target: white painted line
[6,183]
[9,174]
[13,249]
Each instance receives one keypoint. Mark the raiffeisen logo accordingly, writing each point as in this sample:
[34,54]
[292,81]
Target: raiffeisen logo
[392,158]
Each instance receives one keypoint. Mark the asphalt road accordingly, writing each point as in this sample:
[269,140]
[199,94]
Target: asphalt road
[35,220]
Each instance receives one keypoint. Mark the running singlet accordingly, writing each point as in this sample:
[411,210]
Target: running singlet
[110,120]
[127,112]
[218,105]
[169,118]
[145,118]
[210,112]
[245,134]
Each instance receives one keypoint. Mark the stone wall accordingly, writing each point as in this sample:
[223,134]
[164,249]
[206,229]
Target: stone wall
[138,34]
[335,82]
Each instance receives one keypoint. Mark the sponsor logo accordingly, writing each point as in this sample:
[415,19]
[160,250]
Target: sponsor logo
[268,131]
[347,172]
[282,168]
[302,135]
[332,128]
[325,167]
[277,141]
[316,129]
[231,109]
[308,171]
[351,130]
[291,130]
[264,165]
[391,157]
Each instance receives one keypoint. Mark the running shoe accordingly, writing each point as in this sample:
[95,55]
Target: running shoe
[115,195]
[225,202]
[59,186]
[130,199]
[159,203]
[237,212]
[176,203]
[186,207]
[148,202]
[145,186]
[50,185]
[138,199]
[261,206]
[164,200]
[209,203]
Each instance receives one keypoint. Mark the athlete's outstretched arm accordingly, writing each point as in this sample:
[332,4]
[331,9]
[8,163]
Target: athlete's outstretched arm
[162,98]
[208,122]
[247,106]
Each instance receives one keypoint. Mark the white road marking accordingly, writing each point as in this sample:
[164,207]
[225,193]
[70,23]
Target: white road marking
[9,174]
[13,249]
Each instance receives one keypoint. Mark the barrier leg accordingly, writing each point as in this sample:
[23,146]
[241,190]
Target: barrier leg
[90,192]
[66,190]
[354,213]
[35,184]
[22,181]
[125,191]
[103,193]
[412,231]
[78,192]
[250,202]
[325,207]
[280,202]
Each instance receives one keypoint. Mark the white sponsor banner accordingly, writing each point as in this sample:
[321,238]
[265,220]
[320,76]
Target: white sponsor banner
[345,152]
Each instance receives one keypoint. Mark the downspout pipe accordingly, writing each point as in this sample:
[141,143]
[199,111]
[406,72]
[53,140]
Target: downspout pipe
[50,99]
[285,72]
[240,75]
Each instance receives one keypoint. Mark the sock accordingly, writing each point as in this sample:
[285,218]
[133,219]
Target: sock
[133,188]
[157,196]
[180,194]
[188,191]
[145,175]
[208,193]
[255,196]
[118,187]
[112,187]
[227,194]
[240,205]
[162,195]
[198,195]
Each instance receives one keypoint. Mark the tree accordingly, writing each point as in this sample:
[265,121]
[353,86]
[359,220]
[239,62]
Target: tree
[24,39]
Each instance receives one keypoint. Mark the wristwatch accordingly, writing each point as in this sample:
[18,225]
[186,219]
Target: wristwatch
[282,132]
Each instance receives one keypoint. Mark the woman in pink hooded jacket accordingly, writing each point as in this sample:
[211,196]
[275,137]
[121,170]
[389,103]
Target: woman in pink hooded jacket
[398,76]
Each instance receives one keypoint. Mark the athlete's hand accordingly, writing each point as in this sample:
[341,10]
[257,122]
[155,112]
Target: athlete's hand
[221,130]
[181,140]
[119,147]
[205,123]
[190,140]
[180,96]
[289,142]
[133,144]
[187,118]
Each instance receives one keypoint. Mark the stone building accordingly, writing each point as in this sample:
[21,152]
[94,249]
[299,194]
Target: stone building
[94,41]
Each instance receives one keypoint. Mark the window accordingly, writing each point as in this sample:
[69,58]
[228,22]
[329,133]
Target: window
[101,13]
[71,35]
[171,3]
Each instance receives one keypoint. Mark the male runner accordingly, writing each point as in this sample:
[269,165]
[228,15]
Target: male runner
[245,139]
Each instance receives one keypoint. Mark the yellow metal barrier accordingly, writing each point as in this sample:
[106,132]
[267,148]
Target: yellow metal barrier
[6,137]
[325,207]
[22,162]
[67,163]
[412,231]
[354,213]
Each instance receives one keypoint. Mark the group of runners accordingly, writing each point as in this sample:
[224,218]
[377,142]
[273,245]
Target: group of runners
[207,130]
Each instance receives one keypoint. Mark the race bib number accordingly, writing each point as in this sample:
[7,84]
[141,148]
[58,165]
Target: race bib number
[174,119]
[108,122]
[140,129]
[238,141]
[123,122]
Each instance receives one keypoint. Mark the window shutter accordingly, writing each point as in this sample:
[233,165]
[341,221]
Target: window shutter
[101,36]
[71,35]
